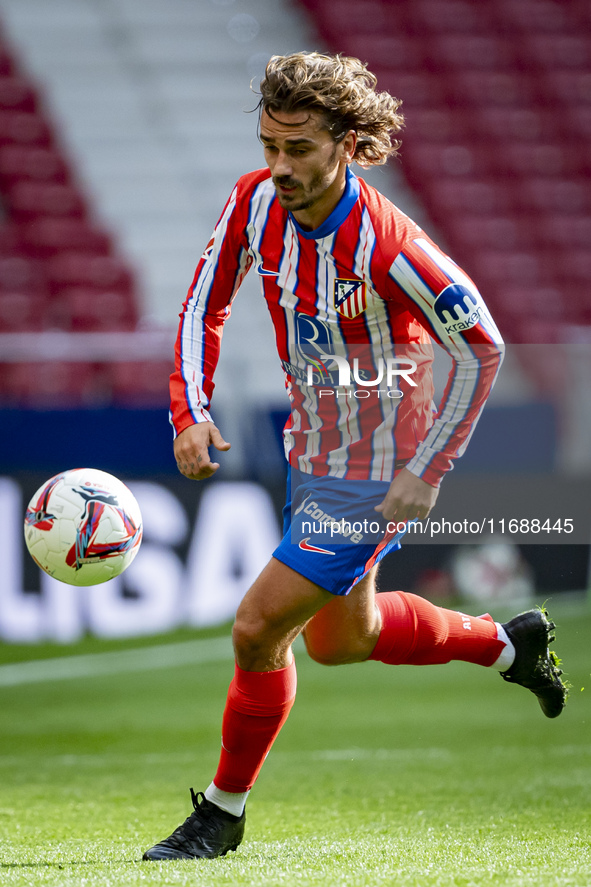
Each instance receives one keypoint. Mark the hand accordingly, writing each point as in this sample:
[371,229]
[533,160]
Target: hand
[408,498]
[191,450]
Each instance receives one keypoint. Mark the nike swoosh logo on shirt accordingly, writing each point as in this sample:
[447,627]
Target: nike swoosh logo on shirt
[264,273]
[305,546]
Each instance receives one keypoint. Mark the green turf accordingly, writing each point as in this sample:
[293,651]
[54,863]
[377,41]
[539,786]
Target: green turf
[382,776]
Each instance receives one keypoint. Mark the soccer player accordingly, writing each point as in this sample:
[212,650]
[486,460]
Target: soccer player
[356,291]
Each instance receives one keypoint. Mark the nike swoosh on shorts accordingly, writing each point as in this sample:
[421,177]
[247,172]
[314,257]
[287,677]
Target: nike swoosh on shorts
[305,546]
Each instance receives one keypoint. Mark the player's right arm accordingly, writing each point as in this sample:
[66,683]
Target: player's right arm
[218,276]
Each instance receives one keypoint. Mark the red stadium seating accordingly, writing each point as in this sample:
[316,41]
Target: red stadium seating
[497,102]
[554,195]
[9,239]
[84,309]
[23,128]
[492,232]
[29,200]
[21,274]
[477,52]
[491,88]
[17,94]
[418,88]
[47,236]
[557,51]
[140,382]
[569,87]
[22,312]
[524,123]
[445,159]
[58,269]
[398,53]
[52,384]
[448,16]
[31,163]
[7,66]
[424,125]
[578,120]
[570,230]
[81,269]
[542,16]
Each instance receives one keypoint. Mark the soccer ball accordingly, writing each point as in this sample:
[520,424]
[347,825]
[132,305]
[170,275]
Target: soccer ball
[83,526]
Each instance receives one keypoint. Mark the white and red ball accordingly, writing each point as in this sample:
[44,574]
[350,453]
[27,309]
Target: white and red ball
[83,526]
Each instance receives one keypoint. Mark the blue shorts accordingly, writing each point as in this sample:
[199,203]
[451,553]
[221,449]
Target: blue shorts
[331,533]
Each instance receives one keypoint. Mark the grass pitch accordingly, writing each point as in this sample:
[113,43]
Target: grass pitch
[382,776]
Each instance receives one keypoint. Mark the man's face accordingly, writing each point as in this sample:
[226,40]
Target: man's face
[307,165]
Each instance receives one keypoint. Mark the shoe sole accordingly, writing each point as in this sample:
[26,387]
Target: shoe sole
[172,857]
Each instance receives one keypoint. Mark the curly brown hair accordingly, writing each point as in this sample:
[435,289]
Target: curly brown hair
[343,90]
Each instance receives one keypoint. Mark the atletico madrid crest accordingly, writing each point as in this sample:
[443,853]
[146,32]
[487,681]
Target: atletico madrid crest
[349,297]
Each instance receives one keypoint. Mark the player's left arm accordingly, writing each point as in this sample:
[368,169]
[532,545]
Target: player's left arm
[448,305]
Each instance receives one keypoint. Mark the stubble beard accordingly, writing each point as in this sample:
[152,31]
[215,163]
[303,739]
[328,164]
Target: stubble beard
[299,201]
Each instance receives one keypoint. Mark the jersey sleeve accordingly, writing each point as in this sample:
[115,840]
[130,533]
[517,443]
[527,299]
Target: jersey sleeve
[220,271]
[445,301]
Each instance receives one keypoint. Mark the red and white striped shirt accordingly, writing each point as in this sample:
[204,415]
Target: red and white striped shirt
[368,283]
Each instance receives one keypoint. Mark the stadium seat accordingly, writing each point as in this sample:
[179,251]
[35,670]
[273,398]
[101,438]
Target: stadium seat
[537,159]
[521,123]
[543,16]
[555,195]
[503,89]
[83,309]
[23,128]
[439,124]
[470,196]
[437,160]
[17,94]
[478,52]
[491,232]
[29,200]
[557,50]
[21,274]
[10,241]
[46,236]
[576,263]
[141,382]
[416,88]
[569,87]
[21,312]
[397,52]
[508,267]
[52,384]
[7,66]
[34,163]
[350,16]
[450,16]
[528,300]
[82,269]
[581,10]
[570,230]
[578,120]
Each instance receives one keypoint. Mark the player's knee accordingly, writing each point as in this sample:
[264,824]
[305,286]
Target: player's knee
[248,638]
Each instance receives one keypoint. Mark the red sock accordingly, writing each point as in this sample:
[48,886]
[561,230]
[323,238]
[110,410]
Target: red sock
[416,632]
[257,707]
